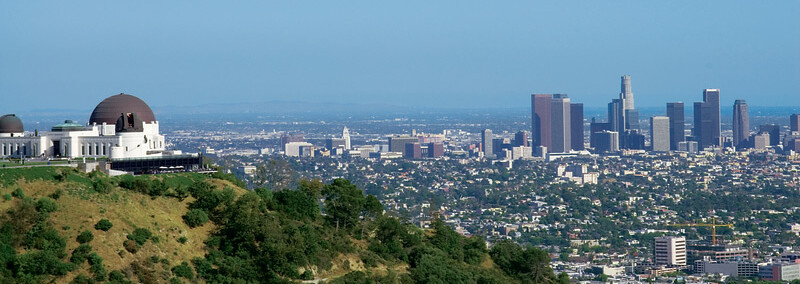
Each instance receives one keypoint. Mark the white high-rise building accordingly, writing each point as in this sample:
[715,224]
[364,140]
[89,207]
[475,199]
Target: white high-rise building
[486,139]
[670,251]
[659,133]
[626,95]
[299,149]
[346,137]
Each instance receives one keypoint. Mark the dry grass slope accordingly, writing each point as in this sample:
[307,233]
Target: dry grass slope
[80,208]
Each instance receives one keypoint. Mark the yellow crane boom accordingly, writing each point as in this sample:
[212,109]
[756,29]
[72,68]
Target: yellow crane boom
[713,226]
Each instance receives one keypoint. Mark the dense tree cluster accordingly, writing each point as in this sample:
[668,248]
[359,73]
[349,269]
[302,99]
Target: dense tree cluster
[264,236]
[274,235]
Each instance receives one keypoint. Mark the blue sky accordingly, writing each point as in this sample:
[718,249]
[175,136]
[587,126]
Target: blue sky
[72,54]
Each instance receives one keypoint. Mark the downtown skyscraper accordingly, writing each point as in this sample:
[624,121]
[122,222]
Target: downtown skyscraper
[707,120]
[560,124]
[487,142]
[626,94]
[616,117]
[622,113]
[676,114]
[629,111]
[741,124]
[540,120]
[556,123]
[576,128]
[659,133]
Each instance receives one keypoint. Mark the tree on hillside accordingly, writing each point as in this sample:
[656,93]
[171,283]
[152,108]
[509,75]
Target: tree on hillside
[372,207]
[312,188]
[343,203]
[531,265]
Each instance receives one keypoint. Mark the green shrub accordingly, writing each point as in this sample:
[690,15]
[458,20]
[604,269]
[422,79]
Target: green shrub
[370,259]
[57,194]
[85,237]
[140,235]
[45,262]
[7,196]
[183,270]
[126,182]
[195,217]
[307,275]
[103,225]
[141,185]
[46,205]
[181,192]
[158,188]
[182,240]
[62,175]
[44,237]
[102,185]
[82,279]
[117,276]
[18,193]
[97,268]
[130,246]
[80,254]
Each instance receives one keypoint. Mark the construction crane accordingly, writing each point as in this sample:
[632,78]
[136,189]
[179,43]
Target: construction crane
[713,226]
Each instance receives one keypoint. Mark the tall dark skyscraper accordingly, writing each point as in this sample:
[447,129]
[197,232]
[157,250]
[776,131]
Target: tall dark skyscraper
[540,120]
[794,122]
[560,124]
[741,124]
[774,133]
[576,119]
[676,113]
[707,121]
[616,117]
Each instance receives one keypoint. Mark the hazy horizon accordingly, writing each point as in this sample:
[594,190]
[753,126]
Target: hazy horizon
[65,55]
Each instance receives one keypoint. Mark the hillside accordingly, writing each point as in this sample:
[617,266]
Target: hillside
[59,225]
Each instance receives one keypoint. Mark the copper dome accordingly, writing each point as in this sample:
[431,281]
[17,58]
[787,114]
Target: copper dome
[112,107]
[10,123]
